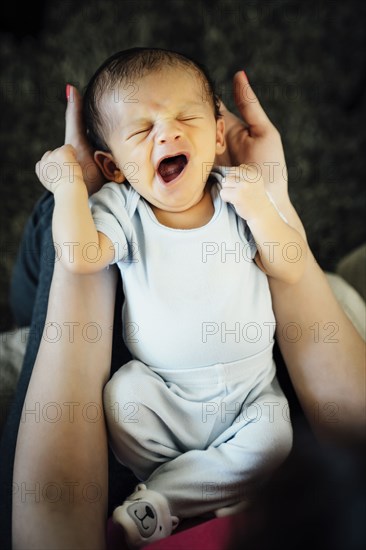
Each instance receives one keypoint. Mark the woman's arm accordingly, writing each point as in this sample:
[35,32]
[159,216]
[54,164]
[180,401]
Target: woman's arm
[324,354]
[60,470]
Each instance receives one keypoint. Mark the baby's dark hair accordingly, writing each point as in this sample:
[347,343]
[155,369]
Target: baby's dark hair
[129,65]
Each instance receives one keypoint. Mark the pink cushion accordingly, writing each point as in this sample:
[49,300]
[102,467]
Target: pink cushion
[214,534]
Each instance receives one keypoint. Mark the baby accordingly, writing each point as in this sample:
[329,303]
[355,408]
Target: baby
[197,414]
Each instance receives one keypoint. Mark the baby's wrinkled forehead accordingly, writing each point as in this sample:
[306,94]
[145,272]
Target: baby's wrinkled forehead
[126,89]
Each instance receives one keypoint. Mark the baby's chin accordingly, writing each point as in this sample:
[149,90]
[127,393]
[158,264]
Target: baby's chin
[177,207]
[189,215]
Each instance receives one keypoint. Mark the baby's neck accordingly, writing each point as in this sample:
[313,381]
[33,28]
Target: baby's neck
[197,216]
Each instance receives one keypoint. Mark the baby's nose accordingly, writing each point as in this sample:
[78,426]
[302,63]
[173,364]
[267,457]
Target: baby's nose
[168,132]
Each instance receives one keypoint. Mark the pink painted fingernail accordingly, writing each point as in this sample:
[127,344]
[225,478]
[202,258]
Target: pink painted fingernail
[68,91]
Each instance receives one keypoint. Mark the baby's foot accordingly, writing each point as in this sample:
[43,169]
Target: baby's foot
[145,517]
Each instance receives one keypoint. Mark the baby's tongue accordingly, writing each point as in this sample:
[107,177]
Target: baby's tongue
[170,168]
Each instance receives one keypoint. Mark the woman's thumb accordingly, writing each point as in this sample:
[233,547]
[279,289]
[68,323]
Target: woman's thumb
[247,102]
[73,116]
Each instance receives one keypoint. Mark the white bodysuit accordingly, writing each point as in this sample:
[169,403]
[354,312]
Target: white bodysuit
[198,413]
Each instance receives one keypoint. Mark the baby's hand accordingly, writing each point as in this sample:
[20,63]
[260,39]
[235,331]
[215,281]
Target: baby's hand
[244,188]
[59,167]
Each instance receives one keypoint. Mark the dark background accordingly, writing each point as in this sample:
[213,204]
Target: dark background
[305,60]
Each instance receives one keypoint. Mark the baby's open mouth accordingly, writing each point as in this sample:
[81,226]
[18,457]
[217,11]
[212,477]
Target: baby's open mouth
[171,167]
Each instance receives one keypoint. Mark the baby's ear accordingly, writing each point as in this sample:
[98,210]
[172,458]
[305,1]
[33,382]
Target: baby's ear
[220,136]
[109,168]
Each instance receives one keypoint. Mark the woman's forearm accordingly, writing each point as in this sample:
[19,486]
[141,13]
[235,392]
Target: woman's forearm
[323,352]
[60,469]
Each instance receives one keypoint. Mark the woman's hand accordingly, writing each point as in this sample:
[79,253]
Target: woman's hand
[254,140]
[75,135]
